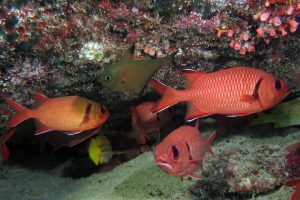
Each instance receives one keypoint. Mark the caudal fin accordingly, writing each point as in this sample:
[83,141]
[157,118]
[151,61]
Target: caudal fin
[168,96]
[19,116]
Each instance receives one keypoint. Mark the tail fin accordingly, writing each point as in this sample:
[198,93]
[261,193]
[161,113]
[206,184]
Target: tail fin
[168,96]
[94,151]
[262,118]
[21,113]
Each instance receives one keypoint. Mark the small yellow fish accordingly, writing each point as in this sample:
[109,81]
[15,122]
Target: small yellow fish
[283,115]
[132,75]
[100,150]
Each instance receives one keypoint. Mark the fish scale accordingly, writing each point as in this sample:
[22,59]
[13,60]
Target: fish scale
[237,91]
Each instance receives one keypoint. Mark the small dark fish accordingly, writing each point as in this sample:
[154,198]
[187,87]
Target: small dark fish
[132,75]
[60,139]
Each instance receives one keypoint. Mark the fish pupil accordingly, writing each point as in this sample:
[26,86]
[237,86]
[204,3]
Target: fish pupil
[175,152]
[107,78]
[277,85]
[102,109]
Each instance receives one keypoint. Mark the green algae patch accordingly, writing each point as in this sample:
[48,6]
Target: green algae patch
[149,182]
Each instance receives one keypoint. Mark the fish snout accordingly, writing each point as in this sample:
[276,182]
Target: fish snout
[163,165]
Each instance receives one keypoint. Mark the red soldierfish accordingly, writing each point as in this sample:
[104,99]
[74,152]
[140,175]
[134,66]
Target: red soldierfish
[294,182]
[237,91]
[144,121]
[181,153]
[71,114]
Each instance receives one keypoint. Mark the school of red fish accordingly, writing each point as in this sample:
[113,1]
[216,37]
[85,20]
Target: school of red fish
[238,91]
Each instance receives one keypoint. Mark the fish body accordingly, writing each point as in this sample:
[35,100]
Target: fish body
[283,115]
[100,150]
[60,139]
[238,91]
[132,75]
[144,121]
[72,114]
[181,153]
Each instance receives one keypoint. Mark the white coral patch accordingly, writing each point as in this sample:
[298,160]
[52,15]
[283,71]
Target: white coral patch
[92,51]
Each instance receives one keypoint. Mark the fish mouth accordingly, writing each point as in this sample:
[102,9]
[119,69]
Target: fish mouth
[164,166]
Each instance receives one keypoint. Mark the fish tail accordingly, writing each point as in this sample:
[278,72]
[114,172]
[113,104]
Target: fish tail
[262,118]
[168,96]
[20,115]
[94,151]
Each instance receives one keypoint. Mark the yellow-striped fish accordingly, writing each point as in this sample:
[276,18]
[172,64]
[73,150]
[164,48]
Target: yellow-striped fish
[283,115]
[100,150]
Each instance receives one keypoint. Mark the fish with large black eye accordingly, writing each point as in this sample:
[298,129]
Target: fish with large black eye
[181,153]
[238,91]
[132,75]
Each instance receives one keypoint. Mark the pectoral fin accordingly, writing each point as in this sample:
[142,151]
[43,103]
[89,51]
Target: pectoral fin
[196,160]
[248,98]
[195,176]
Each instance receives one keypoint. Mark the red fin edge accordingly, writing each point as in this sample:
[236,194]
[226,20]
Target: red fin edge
[3,140]
[21,113]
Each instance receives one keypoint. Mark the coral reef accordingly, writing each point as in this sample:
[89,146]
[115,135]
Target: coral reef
[60,48]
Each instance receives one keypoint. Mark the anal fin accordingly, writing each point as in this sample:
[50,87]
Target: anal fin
[194,112]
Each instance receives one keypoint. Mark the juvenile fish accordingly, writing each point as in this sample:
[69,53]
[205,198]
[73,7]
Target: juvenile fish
[132,75]
[100,150]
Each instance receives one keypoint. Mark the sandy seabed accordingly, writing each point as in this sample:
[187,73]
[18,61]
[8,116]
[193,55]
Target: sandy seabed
[140,178]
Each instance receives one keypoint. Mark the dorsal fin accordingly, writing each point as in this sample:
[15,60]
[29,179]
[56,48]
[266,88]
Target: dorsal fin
[191,77]
[129,53]
[39,99]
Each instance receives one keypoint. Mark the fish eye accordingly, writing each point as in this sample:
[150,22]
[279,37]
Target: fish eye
[175,152]
[107,78]
[277,84]
[102,109]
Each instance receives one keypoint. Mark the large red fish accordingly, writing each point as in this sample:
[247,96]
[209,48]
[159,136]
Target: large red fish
[71,114]
[181,153]
[237,91]
[144,121]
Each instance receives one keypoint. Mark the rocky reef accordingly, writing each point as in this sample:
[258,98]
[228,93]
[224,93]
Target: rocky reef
[60,48]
